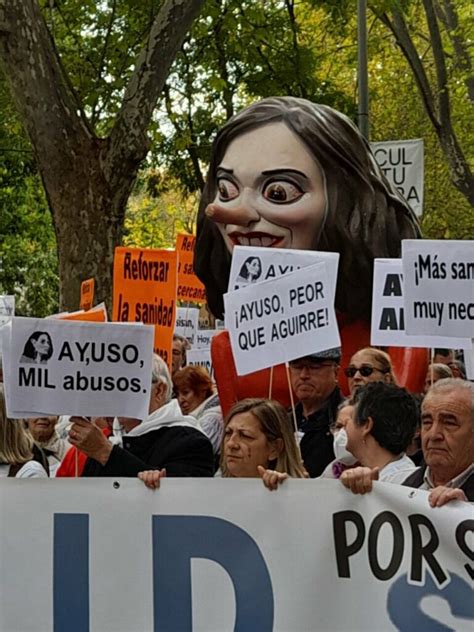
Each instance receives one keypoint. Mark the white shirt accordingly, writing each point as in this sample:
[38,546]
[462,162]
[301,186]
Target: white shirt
[31,469]
[397,471]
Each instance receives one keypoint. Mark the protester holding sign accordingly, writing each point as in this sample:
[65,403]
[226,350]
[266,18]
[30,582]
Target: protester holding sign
[19,457]
[314,382]
[165,440]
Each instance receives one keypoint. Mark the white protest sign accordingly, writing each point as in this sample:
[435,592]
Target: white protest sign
[77,368]
[204,337]
[276,321]
[402,162]
[7,311]
[469,361]
[388,314]
[187,323]
[255,264]
[438,277]
[200,357]
[7,308]
[218,555]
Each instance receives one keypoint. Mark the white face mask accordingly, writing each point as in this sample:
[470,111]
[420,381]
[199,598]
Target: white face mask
[341,452]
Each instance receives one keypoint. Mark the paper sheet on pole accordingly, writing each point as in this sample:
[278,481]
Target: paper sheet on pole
[276,321]
[438,277]
[187,323]
[92,369]
[402,163]
[274,263]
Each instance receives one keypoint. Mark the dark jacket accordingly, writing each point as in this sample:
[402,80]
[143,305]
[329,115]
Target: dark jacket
[417,478]
[167,439]
[317,442]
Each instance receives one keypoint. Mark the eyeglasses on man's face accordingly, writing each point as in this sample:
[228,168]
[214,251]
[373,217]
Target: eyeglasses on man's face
[312,367]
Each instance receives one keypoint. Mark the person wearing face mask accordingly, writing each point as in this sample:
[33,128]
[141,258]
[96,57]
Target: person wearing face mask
[382,422]
[344,459]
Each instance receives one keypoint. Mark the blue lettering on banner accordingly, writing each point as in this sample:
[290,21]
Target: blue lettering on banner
[71,573]
[178,539]
[404,603]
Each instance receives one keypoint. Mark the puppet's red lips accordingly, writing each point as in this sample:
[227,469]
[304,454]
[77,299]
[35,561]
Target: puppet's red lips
[255,239]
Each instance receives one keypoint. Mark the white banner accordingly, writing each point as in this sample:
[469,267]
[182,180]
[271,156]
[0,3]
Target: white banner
[187,323]
[438,280]
[109,555]
[60,367]
[204,337]
[200,357]
[254,264]
[402,162]
[388,313]
[276,321]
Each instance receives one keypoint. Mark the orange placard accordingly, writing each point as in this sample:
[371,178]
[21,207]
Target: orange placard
[87,294]
[145,292]
[97,314]
[190,287]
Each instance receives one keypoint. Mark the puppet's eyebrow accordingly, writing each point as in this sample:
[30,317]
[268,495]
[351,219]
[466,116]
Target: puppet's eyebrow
[282,171]
[224,170]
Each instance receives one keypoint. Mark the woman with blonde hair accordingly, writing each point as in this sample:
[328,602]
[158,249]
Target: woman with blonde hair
[19,456]
[369,365]
[258,436]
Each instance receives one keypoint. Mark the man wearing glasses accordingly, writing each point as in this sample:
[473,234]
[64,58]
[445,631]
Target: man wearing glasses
[314,382]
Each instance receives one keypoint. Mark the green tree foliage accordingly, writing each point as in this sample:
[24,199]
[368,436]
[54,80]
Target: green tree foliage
[28,259]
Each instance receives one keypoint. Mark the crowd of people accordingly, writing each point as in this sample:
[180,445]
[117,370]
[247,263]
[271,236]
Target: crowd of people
[379,432]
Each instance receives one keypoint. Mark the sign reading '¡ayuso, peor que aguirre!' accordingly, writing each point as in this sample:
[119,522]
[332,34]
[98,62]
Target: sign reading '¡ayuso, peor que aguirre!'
[76,368]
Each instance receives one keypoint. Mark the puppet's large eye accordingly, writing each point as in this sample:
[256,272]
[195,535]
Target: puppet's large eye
[282,192]
[227,190]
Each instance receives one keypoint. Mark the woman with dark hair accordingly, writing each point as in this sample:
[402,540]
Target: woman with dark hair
[38,348]
[195,393]
[286,172]
[377,432]
[249,272]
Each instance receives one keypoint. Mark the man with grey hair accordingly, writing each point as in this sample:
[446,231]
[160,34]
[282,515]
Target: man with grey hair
[167,440]
[447,441]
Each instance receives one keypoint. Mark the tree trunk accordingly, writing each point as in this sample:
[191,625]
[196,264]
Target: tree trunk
[87,179]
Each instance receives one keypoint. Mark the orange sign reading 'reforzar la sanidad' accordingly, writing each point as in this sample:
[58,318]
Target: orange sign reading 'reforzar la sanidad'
[145,283]
[190,287]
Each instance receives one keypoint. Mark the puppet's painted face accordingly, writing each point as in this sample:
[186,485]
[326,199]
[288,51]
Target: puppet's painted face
[270,191]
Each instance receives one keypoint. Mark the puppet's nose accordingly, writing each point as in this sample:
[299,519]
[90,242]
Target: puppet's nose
[241,215]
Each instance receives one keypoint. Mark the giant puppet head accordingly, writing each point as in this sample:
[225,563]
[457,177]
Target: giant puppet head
[288,173]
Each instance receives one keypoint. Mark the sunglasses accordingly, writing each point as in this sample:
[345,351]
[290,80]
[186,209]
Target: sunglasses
[365,371]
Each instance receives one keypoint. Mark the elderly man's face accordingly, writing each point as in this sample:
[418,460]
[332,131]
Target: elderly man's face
[447,431]
[313,381]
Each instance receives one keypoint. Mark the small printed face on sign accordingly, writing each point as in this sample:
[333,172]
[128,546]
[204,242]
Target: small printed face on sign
[38,348]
